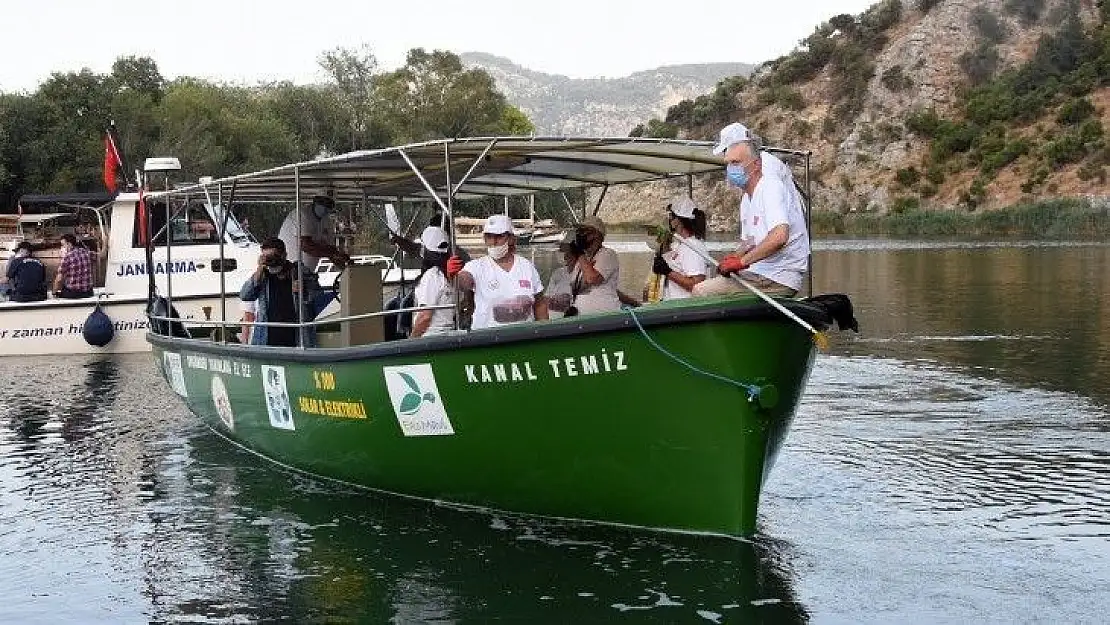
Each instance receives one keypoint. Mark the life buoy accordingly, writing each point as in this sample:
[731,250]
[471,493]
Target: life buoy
[98,329]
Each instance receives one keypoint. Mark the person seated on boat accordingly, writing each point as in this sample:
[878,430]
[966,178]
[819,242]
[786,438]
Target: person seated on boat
[274,287]
[433,288]
[774,243]
[74,279]
[560,285]
[684,265]
[598,268]
[507,288]
[26,275]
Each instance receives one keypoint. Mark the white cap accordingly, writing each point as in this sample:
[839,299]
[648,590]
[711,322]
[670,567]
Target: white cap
[731,135]
[683,207]
[434,239]
[498,224]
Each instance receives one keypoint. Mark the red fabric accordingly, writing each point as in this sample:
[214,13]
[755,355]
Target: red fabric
[454,266]
[141,207]
[111,163]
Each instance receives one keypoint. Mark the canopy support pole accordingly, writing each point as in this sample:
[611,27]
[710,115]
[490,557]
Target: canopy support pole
[300,270]
[570,207]
[600,198]
[473,166]
[809,229]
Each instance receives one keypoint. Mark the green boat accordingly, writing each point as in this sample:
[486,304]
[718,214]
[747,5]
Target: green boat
[668,416]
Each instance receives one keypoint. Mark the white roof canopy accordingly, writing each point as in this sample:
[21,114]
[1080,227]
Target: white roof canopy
[503,166]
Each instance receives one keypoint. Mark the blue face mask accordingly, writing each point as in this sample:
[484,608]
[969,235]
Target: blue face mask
[736,174]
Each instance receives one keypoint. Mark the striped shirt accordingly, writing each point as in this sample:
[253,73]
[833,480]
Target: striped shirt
[76,270]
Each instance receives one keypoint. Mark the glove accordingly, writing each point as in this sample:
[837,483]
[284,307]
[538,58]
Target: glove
[731,264]
[454,266]
[660,266]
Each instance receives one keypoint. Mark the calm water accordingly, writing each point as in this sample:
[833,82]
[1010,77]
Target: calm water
[951,464]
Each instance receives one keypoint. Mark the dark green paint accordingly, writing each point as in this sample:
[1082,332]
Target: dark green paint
[653,445]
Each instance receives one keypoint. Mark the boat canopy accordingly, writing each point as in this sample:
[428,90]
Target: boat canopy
[55,199]
[33,218]
[489,166]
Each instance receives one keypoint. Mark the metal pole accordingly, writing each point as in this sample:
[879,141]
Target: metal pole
[299,297]
[223,235]
[473,166]
[169,242]
[450,205]
[600,198]
[809,229]
[690,186]
[427,186]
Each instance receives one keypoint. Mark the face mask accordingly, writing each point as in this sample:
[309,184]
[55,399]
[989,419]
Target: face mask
[737,175]
[22,254]
[320,211]
[498,252]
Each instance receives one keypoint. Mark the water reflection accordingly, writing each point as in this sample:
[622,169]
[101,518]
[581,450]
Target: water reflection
[293,545]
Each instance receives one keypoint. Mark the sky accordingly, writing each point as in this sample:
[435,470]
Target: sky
[248,41]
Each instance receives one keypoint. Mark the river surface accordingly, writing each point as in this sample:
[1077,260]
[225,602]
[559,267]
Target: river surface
[950,464]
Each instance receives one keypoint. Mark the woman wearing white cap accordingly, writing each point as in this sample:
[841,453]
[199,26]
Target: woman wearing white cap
[433,288]
[507,288]
[684,264]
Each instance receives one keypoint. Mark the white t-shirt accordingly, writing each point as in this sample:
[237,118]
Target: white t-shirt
[771,206]
[434,290]
[686,262]
[503,297]
[559,293]
[601,297]
[321,231]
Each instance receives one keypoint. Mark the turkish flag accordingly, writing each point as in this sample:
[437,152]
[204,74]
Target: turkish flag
[113,162]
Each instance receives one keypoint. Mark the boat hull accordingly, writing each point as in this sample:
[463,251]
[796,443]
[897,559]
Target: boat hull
[584,419]
[53,327]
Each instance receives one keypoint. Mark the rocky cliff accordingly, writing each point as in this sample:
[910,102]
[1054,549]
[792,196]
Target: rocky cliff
[599,106]
[948,104]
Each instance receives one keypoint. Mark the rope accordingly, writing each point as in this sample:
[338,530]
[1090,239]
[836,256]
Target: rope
[752,389]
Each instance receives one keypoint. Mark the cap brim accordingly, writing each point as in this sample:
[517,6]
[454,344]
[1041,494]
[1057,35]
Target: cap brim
[720,149]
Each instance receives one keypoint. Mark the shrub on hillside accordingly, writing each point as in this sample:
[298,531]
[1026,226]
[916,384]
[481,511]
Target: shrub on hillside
[988,26]
[895,79]
[926,5]
[980,64]
[1028,11]
[1075,111]
[908,176]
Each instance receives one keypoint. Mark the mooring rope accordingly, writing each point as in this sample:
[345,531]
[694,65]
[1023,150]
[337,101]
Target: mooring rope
[753,390]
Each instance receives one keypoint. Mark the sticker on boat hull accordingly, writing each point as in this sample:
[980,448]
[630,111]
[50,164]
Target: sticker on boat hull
[174,373]
[416,400]
[222,402]
[277,397]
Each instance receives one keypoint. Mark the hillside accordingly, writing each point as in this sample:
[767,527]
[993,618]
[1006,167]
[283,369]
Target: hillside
[599,106]
[954,104]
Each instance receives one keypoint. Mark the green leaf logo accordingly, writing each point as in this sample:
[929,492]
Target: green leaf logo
[410,403]
[412,400]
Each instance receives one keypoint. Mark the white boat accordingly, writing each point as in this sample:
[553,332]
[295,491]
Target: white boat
[109,226]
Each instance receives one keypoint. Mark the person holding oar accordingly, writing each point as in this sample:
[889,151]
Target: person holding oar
[774,249]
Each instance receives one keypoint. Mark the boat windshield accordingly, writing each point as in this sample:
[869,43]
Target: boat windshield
[234,228]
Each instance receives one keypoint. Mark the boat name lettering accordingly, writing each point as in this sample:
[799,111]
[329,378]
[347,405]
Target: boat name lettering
[331,407]
[567,367]
[72,328]
[139,269]
[218,365]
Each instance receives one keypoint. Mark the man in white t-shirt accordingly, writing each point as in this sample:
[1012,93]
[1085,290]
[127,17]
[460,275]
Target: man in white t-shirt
[315,238]
[507,288]
[774,251]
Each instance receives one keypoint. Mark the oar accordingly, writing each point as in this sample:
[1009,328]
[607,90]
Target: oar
[819,339]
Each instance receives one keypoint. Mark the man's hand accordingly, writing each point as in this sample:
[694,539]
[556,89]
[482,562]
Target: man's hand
[731,264]
[454,266]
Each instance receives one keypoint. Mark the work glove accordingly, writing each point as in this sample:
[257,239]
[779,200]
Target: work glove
[454,266]
[660,266]
[731,264]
